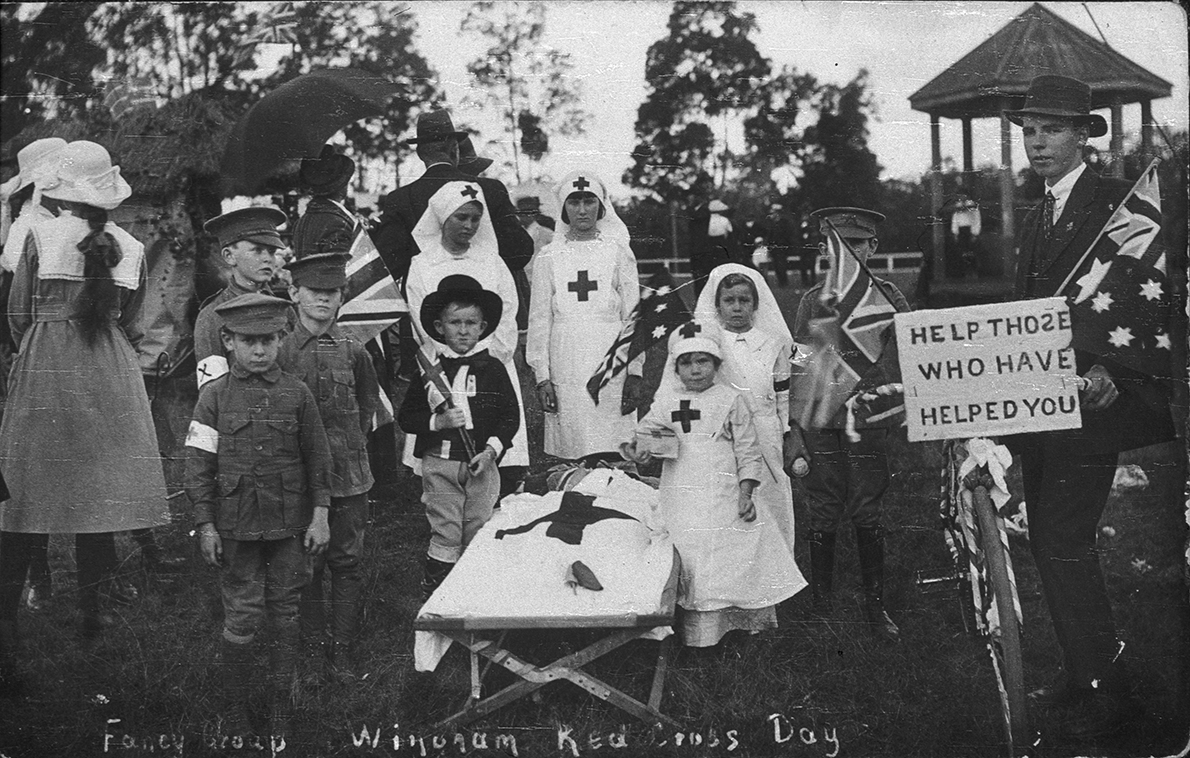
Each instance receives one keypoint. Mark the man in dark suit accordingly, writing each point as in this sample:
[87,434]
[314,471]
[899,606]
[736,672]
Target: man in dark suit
[438,147]
[1068,474]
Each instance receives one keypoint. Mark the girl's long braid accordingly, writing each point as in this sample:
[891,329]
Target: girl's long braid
[101,253]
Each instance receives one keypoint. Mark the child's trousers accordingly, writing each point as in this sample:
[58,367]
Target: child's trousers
[458,502]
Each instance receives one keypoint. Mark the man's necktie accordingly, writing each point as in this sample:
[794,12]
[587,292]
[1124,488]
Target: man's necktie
[1047,212]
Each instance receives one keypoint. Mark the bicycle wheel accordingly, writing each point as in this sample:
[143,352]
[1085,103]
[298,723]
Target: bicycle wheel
[1004,643]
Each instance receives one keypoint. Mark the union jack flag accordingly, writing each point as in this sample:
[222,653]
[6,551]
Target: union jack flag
[656,315]
[845,341]
[278,25]
[1120,306]
[129,95]
[438,392]
[372,302]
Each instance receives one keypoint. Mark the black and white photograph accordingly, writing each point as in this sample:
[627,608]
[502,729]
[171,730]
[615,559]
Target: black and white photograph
[550,378]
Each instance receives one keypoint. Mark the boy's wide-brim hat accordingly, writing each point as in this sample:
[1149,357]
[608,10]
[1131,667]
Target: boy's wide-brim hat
[435,126]
[254,313]
[470,162]
[257,224]
[528,204]
[328,173]
[460,288]
[321,271]
[1063,97]
[82,172]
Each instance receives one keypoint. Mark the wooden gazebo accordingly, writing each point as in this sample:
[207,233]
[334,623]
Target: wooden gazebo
[994,77]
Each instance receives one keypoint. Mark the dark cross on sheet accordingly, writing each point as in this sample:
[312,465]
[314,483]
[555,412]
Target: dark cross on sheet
[576,512]
[689,329]
[470,192]
[685,414]
[581,183]
[583,286]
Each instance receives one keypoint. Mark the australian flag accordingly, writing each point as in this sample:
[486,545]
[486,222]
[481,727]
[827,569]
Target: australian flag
[656,315]
[1121,304]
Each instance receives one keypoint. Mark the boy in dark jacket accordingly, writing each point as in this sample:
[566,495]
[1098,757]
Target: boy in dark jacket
[258,473]
[339,371]
[465,430]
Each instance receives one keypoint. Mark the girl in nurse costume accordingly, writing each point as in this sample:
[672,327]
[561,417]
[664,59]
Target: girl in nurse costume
[455,236]
[736,565]
[584,287]
[756,346]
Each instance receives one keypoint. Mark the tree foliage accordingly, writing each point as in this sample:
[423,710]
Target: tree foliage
[528,81]
[59,61]
[704,68]
[46,60]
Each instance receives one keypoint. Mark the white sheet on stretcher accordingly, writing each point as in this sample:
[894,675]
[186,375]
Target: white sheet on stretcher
[524,575]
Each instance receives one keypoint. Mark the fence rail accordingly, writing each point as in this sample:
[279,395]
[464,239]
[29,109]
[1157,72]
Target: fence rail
[909,262]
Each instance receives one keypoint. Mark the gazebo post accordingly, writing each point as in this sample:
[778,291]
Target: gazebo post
[1117,138]
[968,160]
[938,253]
[1146,130]
[1007,190]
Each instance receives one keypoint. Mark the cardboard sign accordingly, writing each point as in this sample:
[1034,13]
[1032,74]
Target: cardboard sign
[985,370]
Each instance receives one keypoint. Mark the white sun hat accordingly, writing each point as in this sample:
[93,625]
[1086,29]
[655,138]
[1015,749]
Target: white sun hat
[83,173]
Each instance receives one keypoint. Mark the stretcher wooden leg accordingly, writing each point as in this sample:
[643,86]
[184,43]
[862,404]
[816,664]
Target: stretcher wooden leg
[568,667]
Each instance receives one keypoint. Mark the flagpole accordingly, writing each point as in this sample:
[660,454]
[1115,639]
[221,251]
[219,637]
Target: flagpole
[1081,261]
[859,260]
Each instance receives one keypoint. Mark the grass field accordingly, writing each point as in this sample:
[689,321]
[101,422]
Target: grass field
[150,686]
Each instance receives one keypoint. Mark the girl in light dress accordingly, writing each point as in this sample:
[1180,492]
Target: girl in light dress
[584,287]
[735,562]
[757,346]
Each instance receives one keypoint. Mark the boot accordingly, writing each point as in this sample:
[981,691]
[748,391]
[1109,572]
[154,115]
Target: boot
[346,590]
[152,560]
[94,620]
[282,677]
[11,684]
[822,566]
[312,617]
[435,574]
[237,675]
[869,543]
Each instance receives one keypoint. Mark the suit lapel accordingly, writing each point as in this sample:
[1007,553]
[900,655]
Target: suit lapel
[1074,216]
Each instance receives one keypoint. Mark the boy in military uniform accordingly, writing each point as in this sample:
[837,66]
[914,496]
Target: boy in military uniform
[845,479]
[249,244]
[459,489]
[339,371]
[258,474]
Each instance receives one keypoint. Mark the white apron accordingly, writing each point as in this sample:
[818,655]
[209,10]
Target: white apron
[751,365]
[587,307]
[726,561]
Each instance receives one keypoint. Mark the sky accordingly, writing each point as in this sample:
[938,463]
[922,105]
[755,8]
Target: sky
[902,44]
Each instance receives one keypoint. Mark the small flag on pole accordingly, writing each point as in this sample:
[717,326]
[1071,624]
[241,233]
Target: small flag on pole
[845,343]
[373,302]
[656,315]
[438,392]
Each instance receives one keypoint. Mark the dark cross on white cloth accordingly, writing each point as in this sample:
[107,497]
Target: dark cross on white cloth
[689,329]
[581,183]
[470,192]
[685,414]
[582,286]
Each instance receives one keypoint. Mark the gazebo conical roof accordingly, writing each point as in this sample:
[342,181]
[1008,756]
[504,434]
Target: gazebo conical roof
[1036,42]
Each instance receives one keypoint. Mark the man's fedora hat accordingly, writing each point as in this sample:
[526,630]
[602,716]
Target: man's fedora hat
[327,173]
[1063,97]
[435,126]
[470,162]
